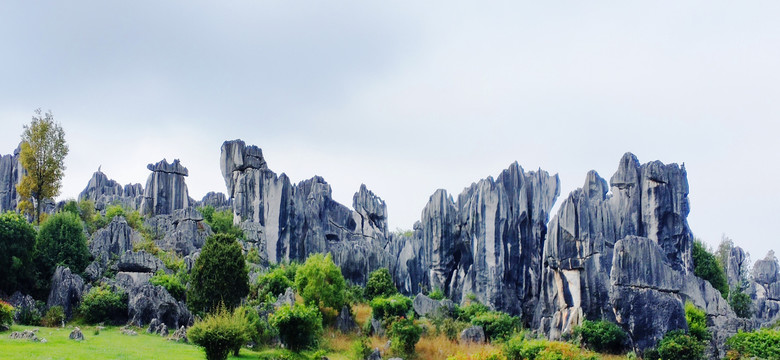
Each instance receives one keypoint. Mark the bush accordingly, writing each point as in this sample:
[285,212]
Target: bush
[380,284]
[17,244]
[497,325]
[471,310]
[741,303]
[259,330]
[404,335]
[103,305]
[219,332]
[763,344]
[299,326]
[320,283]
[6,315]
[677,345]
[449,327]
[396,305]
[54,317]
[354,294]
[697,322]
[170,283]
[707,267]
[218,276]
[61,241]
[601,336]
[361,348]
[518,348]
[436,294]
[28,315]
[272,284]
[221,222]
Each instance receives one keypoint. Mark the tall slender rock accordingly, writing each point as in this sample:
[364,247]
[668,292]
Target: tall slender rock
[11,172]
[165,189]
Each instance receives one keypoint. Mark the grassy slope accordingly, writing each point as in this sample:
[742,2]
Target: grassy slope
[109,344]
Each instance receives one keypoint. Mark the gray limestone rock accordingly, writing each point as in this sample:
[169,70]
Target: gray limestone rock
[288,298]
[472,334]
[217,200]
[11,172]
[24,304]
[163,330]
[104,192]
[67,289]
[148,302]
[165,189]
[183,231]
[427,307]
[344,322]
[25,335]
[377,328]
[375,355]
[141,262]
[765,290]
[154,326]
[180,335]
[113,240]
[76,335]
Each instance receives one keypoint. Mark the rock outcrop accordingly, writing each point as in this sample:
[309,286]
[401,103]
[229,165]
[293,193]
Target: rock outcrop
[183,231]
[765,289]
[67,289]
[165,189]
[148,302]
[11,172]
[104,192]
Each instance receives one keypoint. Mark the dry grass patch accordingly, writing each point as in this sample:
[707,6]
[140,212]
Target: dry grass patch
[362,312]
[439,347]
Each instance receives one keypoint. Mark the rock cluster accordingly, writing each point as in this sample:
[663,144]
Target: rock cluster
[765,289]
[26,335]
[67,289]
[104,192]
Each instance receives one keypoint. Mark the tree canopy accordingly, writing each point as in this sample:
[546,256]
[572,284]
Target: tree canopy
[219,275]
[17,243]
[42,155]
[61,241]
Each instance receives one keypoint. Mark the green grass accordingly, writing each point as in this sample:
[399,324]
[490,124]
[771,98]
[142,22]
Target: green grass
[109,344]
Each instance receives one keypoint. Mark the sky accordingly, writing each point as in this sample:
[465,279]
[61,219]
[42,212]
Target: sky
[409,97]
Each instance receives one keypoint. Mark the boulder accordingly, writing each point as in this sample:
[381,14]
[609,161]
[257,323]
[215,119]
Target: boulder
[154,327]
[76,335]
[472,335]
[163,330]
[126,330]
[288,298]
[344,322]
[148,302]
[179,335]
[376,328]
[24,305]
[425,306]
[25,335]
[141,262]
[165,189]
[67,289]
[375,355]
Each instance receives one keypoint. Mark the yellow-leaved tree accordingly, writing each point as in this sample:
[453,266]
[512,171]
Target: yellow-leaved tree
[42,156]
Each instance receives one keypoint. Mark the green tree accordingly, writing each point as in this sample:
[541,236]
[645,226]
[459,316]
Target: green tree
[741,303]
[320,282]
[380,284]
[17,244]
[299,326]
[219,275]
[697,322]
[707,267]
[221,221]
[61,241]
[42,155]
[601,336]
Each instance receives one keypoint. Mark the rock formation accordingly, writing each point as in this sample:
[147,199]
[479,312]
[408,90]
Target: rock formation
[104,192]
[11,172]
[765,289]
[165,190]
[67,289]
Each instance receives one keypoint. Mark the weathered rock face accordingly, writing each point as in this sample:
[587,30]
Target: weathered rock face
[736,267]
[11,172]
[113,240]
[215,199]
[165,190]
[67,289]
[141,262]
[103,192]
[24,304]
[183,231]
[765,289]
[148,302]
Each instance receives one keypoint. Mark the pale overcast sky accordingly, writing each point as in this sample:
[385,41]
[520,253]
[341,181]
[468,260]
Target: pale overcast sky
[409,96]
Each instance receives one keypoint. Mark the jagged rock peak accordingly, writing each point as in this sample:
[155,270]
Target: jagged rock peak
[11,172]
[236,156]
[173,168]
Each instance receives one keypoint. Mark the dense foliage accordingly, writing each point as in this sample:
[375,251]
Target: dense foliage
[380,284]
[271,284]
[436,294]
[299,326]
[383,308]
[42,154]
[221,222]
[471,310]
[6,315]
[677,345]
[54,317]
[320,283]
[497,325]
[404,335]
[101,304]
[520,348]
[697,322]
[707,267]
[259,330]
[220,332]
[741,303]
[61,241]
[762,344]
[172,283]
[601,336]
[219,275]
[17,244]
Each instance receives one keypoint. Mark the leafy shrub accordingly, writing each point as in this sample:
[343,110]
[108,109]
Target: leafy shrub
[218,276]
[219,332]
[741,303]
[383,308]
[354,294]
[449,327]
[601,336]
[677,345]
[113,211]
[361,348]
[17,244]
[380,284]
[319,282]
[170,283]
[147,244]
[707,267]
[54,316]
[404,335]
[271,284]
[103,305]
[299,326]
[436,294]
[259,330]
[519,348]
[697,322]
[6,315]
[61,241]
[651,354]
[221,222]
[763,344]
[471,310]
[28,315]
[497,325]
[253,256]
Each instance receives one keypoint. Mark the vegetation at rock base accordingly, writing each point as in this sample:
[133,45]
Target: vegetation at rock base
[103,304]
[741,303]
[707,267]
[497,325]
[299,326]
[6,315]
[320,282]
[763,344]
[271,284]
[380,284]
[404,335]
[220,221]
[42,155]
[384,308]
[218,276]
[601,336]
[171,283]
[697,322]
[17,245]
[677,345]
[53,317]
[61,241]
[220,331]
